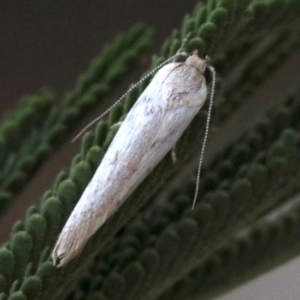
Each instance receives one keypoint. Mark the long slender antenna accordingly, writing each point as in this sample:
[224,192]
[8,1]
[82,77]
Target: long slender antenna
[121,98]
[181,50]
[213,84]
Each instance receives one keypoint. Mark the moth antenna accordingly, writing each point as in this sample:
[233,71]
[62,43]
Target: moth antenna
[181,50]
[122,97]
[213,84]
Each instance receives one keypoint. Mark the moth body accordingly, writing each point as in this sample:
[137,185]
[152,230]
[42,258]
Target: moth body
[150,130]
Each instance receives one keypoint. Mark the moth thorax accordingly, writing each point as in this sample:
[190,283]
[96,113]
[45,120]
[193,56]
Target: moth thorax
[197,62]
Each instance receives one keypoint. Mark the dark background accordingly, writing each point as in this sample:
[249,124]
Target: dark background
[49,43]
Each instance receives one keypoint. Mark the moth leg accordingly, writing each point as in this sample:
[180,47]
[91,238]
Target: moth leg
[174,156]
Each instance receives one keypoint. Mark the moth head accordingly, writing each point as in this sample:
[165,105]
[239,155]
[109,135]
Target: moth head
[197,62]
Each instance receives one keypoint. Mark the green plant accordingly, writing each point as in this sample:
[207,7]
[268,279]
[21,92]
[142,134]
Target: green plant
[163,250]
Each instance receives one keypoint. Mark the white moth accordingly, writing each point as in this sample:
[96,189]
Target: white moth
[151,129]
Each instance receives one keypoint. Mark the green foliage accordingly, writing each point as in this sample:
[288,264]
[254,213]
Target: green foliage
[40,124]
[165,250]
[176,237]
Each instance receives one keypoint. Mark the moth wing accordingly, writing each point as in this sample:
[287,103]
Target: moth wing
[150,130]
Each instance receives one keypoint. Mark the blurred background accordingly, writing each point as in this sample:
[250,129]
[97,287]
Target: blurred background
[49,43]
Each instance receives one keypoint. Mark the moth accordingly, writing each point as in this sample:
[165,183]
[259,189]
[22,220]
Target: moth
[150,130]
